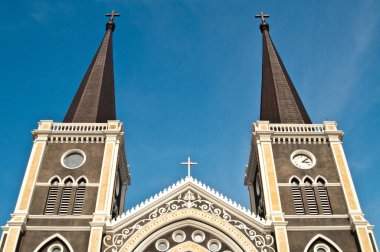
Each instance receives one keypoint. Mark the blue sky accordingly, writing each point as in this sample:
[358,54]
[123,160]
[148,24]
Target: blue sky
[188,76]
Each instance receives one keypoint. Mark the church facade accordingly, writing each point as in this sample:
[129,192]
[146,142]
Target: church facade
[302,198]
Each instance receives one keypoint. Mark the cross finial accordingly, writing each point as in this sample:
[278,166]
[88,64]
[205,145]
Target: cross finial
[189,164]
[112,15]
[262,16]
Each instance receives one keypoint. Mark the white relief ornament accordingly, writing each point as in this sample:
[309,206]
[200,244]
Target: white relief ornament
[189,196]
[263,242]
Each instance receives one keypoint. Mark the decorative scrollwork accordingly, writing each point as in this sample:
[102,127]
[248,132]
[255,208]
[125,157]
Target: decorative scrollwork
[263,242]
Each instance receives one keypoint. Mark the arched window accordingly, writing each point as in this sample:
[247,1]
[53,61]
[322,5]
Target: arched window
[310,197]
[79,197]
[321,243]
[297,197]
[66,196]
[324,197]
[52,196]
[54,243]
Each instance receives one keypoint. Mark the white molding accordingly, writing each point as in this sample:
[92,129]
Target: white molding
[63,239]
[58,228]
[201,225]
[264,178]
[373,237]
[346,167]
[324,238]
[67,177]
[290,180]
[313,228]
[177,188]
[52,178]
[3,235]
[27,174]
[301,184]
[84,177]
[307,177]
[321,177]
[61,184]
[310,216]
[60,216]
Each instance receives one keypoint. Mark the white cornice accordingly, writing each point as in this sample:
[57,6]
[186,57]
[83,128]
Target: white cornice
[173,190]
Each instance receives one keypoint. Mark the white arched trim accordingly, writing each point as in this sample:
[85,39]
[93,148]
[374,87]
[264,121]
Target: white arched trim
[60,237]
[188,246]
[187,213]
[294,177]
[55,177]
[328,240]
[196,224]
[320,177]
[307,177]
[69,177]
[82,177]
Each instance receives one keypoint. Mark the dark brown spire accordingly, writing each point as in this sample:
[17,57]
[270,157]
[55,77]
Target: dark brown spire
[94,101]
[280,102]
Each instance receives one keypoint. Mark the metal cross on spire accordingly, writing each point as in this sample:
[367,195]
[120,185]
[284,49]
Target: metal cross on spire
[112,15]
[189,164]
[262,16]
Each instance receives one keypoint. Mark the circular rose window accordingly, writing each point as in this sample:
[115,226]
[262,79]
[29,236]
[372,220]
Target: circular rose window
[73,159]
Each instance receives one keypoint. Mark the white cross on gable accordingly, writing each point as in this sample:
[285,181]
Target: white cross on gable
[189,164]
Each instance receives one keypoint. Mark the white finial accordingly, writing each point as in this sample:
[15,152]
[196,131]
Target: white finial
[189,164]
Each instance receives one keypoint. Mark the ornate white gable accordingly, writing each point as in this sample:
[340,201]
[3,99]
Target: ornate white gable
[194,204]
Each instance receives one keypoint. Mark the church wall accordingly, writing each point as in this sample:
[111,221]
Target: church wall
[325,165]
[336,197]
[318,221]
[38,206]
[188,231]
[59,222]
[51,163]
[345,239]
[30,240]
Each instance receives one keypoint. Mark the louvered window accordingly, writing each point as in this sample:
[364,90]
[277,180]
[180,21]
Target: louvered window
[79,198]
[297,197]
[66,196]
[324,198]
[52,197]
[310,197]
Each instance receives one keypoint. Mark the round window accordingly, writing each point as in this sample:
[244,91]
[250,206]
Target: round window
[321,247]
[198,236]
[56,248]
[179,236]
[73,159]
[162,245]
[214,245]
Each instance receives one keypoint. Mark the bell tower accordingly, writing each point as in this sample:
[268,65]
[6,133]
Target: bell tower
[77,174]
[297,176]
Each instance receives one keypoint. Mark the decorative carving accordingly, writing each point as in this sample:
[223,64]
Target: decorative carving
[189,199]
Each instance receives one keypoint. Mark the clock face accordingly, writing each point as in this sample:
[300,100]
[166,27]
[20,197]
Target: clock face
[303,159]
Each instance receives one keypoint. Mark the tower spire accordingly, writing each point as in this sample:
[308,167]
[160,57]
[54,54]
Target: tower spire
[94,101]
[280,102]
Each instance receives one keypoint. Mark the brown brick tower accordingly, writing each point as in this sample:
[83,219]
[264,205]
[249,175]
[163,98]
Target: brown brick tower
[298,177]
[77,173]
